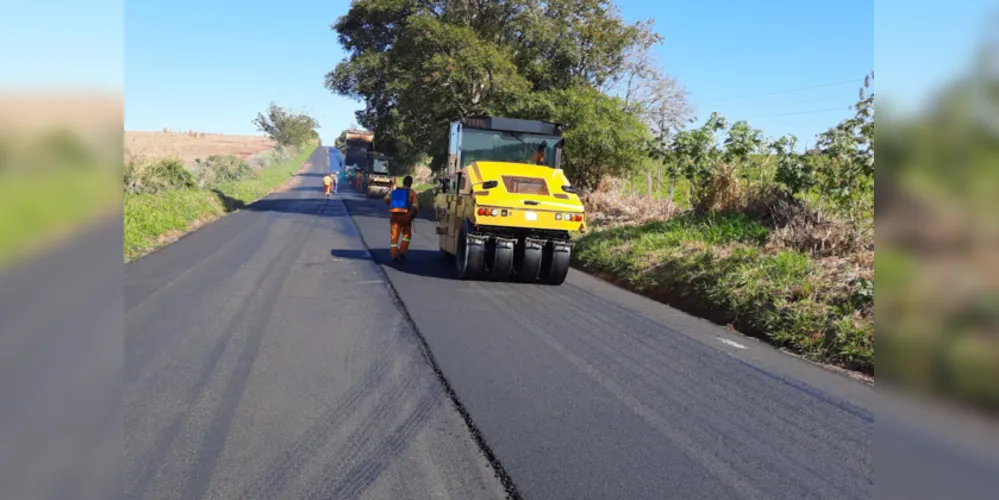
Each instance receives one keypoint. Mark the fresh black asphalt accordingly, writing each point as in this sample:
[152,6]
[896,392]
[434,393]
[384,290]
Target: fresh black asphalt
[587,391]
[276,353]
[265,358]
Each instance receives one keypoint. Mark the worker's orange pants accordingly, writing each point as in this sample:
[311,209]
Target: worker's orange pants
[327,188]
[400,224]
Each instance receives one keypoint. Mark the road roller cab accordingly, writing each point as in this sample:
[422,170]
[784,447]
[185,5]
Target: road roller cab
[377,180]
[505,209]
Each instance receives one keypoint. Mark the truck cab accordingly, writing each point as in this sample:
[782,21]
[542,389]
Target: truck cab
[505,208]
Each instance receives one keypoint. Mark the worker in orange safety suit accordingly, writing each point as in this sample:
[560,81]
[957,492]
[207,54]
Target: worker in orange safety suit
[403,206]
[328,182]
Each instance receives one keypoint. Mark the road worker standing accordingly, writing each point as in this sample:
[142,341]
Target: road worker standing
[403,206]
[327,185]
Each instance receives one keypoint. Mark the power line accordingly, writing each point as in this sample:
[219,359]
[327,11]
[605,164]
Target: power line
[800,89]
[827,100]
[814,111]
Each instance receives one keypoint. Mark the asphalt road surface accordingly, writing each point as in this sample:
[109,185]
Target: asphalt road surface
[587,391]
[266,356]
[61,369]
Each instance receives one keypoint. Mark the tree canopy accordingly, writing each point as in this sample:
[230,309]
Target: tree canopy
[286,127]
[418,64]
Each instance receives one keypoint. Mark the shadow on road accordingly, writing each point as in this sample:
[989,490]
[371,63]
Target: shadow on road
[316,189]
[376,208]
[351,254]
[426,263]
[302,206]
[229,204]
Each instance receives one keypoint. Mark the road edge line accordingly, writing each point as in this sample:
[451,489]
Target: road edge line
[498,470]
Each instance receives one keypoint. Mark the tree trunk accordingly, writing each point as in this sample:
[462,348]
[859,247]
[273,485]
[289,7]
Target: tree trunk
[669,204]
[649,178]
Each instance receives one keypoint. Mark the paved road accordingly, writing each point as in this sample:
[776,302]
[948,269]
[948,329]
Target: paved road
[61,370]
[265,358]
[588,391]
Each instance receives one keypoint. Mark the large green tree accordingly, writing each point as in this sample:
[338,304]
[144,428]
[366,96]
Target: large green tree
[602,137]
[286,127]
[418,64]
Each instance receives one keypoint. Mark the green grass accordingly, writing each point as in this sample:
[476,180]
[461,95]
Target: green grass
[152,219]
[416,187]
[715,266]
[37,206]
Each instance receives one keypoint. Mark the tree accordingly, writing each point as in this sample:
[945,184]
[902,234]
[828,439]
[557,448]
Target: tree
[602,138]
[846,177]
[662,104]
[698,154]
[341,140]
[793,170]
[285,127]
[640,65]
[418,64]
[742,141]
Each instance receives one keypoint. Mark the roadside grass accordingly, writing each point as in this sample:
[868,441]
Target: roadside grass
[417,186]
[153,220]
[36,207]
[720,267]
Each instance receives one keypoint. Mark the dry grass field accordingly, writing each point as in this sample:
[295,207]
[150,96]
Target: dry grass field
[26,112]
[189,146]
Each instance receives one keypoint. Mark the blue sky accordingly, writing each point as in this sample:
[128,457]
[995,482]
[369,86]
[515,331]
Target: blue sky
[210,65]
[786,66]
[62,43]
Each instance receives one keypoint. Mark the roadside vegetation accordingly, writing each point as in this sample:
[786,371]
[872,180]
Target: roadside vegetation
[51,184]
[776,243]
[938,258]
[165,198]
[713,217]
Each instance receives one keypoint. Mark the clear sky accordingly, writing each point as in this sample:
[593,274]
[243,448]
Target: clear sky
[787,66]
[62,43]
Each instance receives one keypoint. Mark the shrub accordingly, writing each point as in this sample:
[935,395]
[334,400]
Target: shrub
[157,176]
[270,157]
[220,169]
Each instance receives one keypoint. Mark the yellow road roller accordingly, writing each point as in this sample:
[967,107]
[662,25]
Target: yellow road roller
[504,207]
[377,181]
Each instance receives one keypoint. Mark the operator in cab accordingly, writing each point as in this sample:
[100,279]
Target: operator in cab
[539,154]
[403,206]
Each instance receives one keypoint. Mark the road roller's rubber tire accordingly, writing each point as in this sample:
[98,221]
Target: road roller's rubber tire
[502,264]
[554,266]
[530,264]
[470,259]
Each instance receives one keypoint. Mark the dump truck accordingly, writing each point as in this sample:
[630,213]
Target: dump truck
[359,143]
[377,181]
[505,209]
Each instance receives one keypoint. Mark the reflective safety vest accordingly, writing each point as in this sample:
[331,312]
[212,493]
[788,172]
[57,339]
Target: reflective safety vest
[399,202]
